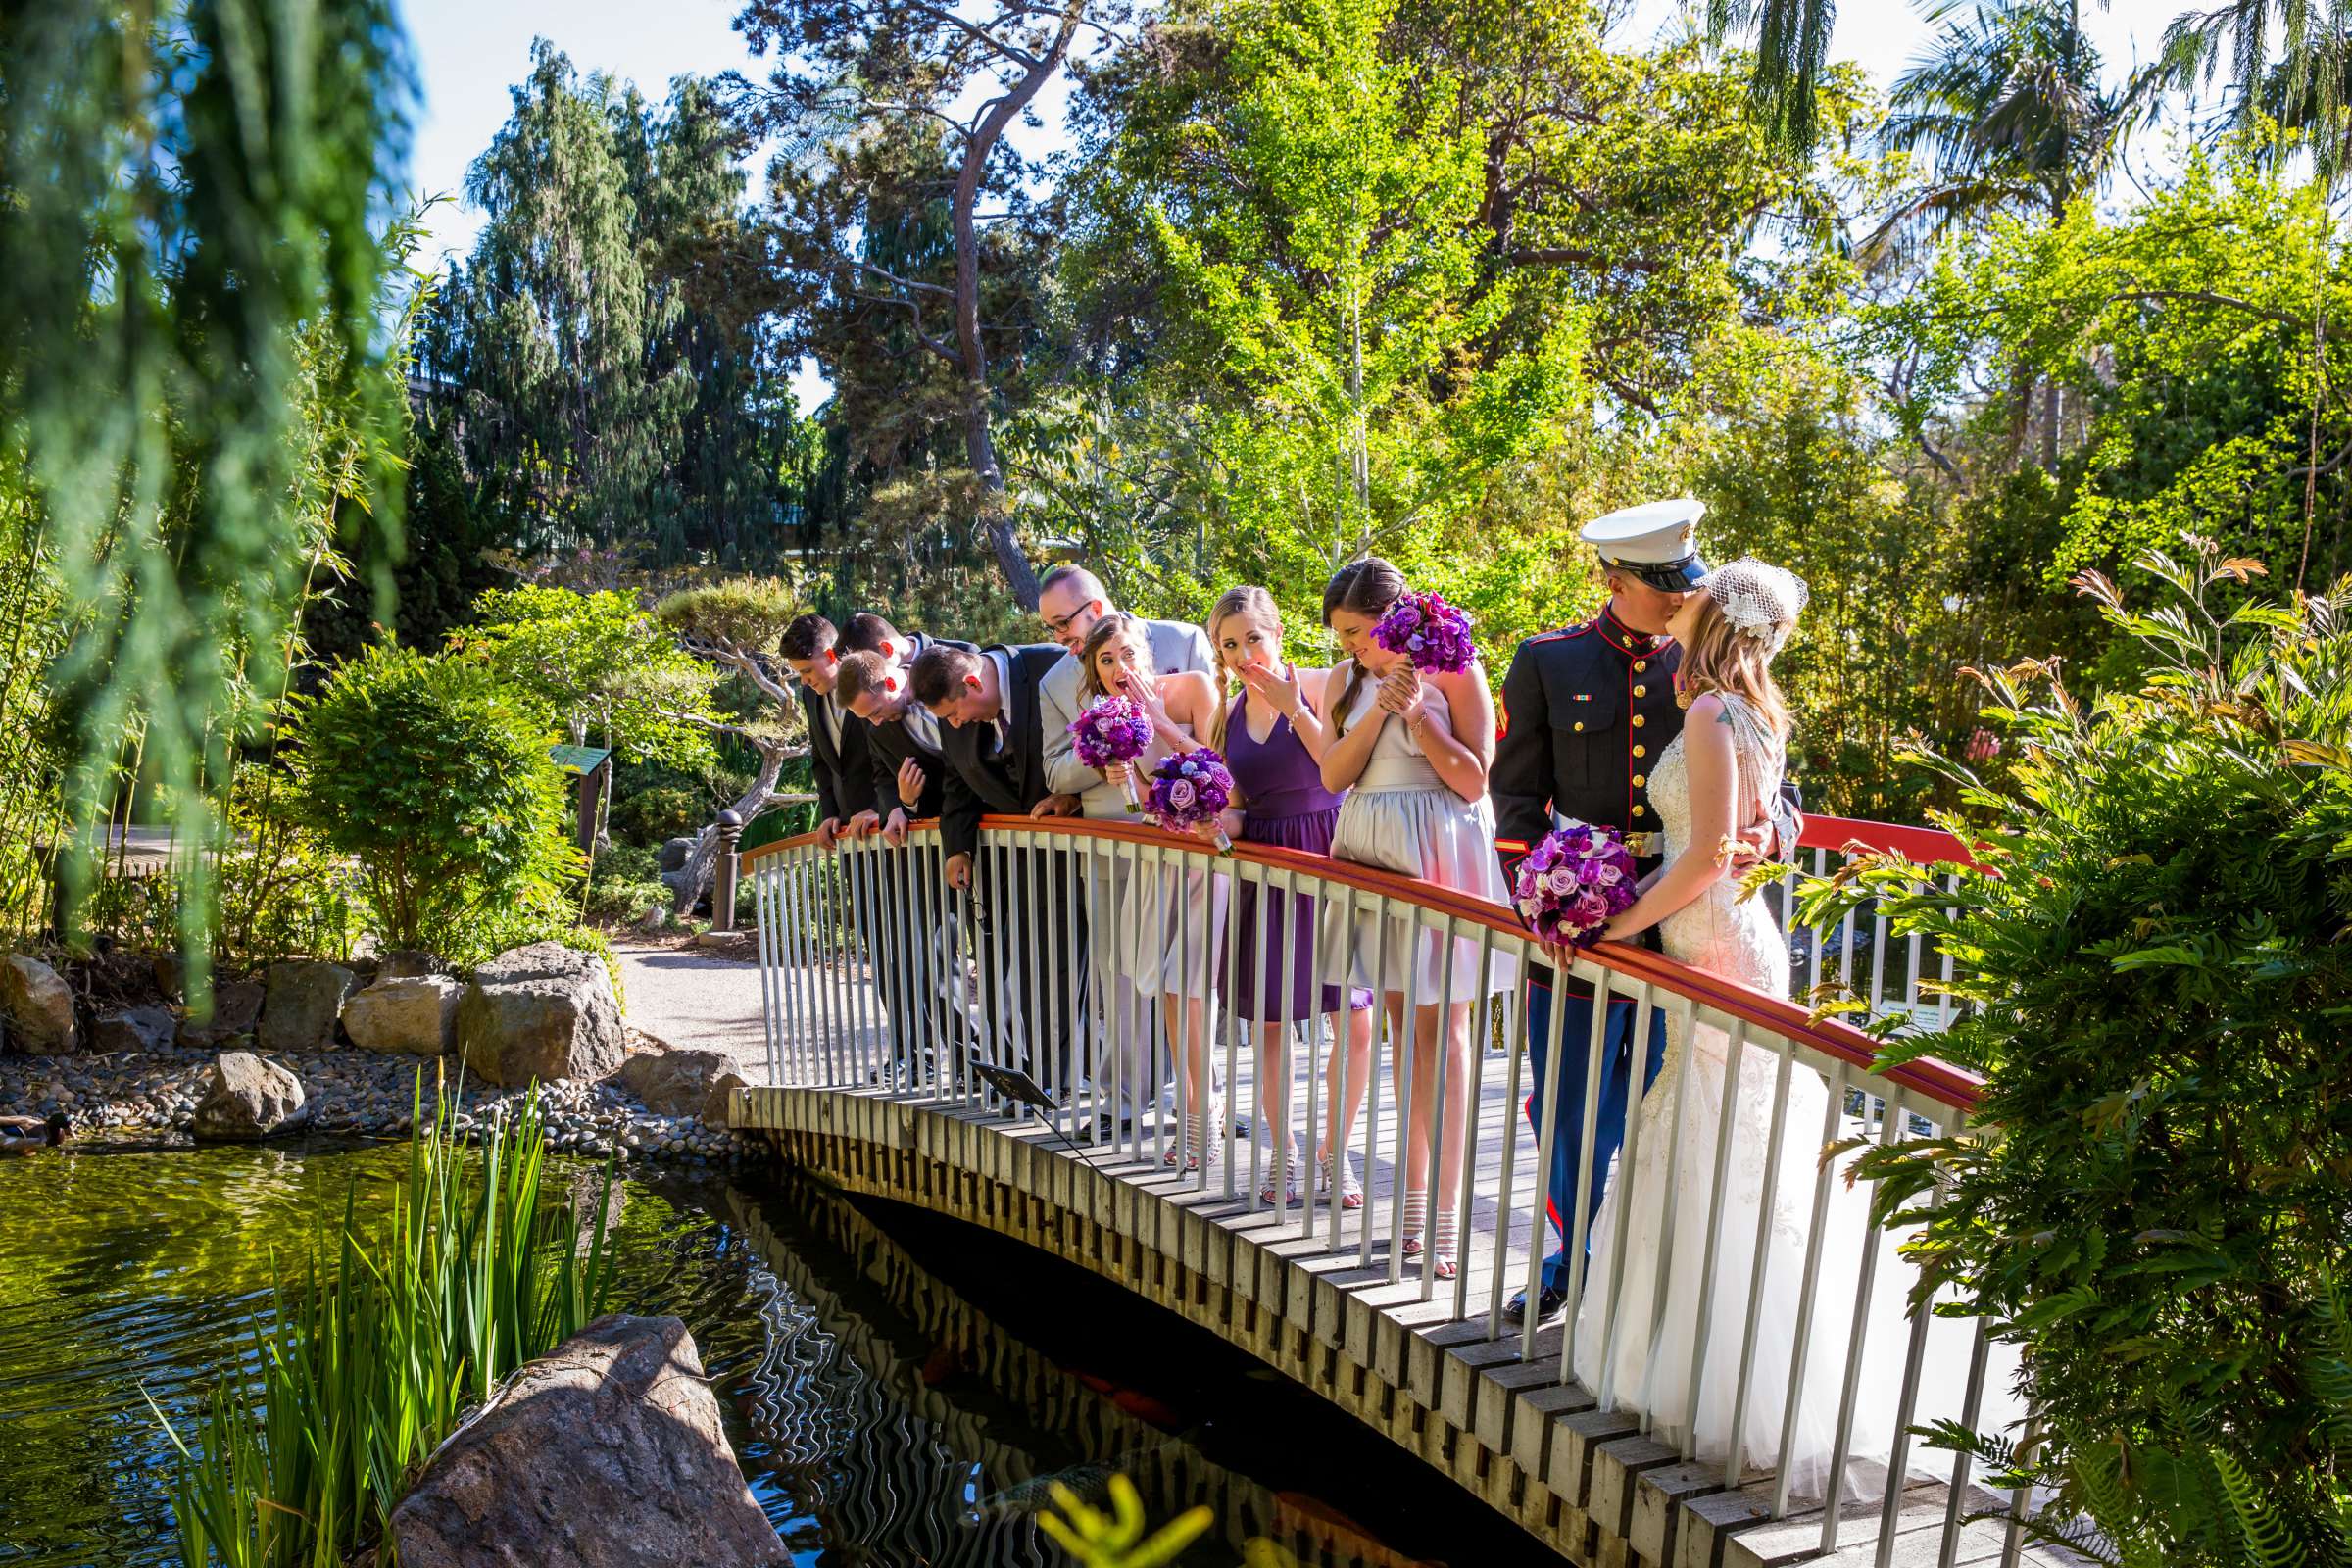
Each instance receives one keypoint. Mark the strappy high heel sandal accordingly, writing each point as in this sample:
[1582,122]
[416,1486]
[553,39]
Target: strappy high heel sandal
[1442,1265]
[1352,1190]
[1290,1186]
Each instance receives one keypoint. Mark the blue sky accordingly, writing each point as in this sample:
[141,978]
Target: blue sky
[468,52]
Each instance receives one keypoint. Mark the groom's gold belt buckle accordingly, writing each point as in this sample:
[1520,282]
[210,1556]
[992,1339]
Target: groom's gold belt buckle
[1641,845]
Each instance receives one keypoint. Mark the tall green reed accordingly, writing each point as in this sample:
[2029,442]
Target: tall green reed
[380,1342]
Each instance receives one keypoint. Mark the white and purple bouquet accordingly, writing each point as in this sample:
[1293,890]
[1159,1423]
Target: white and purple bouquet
[1188,789]
[1429,631]
[1112,729]
[1572,881]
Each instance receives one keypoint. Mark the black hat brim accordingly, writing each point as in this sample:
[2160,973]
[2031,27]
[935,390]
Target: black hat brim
[1668,576]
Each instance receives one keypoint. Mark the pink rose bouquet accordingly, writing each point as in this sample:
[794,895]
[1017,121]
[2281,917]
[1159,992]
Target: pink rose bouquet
[1432,633]
[1189,789]
[1572,881]
[1112,729]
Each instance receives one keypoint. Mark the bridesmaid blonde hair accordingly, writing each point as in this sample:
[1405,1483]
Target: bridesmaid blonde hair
[1258,607]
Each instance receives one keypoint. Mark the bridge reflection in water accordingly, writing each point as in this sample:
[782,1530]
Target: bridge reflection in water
[918,1410]
[879,984]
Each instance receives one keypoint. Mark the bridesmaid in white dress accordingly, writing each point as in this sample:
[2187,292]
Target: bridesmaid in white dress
[1173,921]
[1412,752]
[1725,769]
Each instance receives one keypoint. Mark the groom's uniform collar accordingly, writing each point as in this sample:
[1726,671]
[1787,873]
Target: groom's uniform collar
[1627,641]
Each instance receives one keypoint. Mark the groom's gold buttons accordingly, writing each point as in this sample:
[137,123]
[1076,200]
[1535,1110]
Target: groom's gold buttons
[1641,691]
[1639,665]
[1640,751]
[1638,810]
[1579,724]
[1640,721]
[1640,781]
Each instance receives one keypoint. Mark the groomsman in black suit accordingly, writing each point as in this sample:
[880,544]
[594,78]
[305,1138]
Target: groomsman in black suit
[993,741]
[909,781]
[837,738]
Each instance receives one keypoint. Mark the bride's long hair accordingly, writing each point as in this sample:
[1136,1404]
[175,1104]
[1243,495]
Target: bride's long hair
[1719,656]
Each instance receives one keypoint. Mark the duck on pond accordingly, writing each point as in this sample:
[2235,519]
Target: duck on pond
[23,1135]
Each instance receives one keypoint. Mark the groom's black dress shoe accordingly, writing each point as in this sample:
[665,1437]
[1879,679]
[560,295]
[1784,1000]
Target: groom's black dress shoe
[1548,1301]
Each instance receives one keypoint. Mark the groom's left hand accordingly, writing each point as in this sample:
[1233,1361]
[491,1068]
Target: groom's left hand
[1753,842]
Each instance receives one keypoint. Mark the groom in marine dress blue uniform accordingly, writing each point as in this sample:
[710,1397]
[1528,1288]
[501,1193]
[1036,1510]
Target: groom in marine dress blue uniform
[1586,713]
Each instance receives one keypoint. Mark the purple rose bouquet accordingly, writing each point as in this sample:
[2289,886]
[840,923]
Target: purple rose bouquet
[1112,729]
[1429,631]
[1188,789]
[1572,881]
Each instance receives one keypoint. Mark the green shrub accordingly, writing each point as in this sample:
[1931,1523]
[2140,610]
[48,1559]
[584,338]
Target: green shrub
[437,781]
[650,815]
[628,862]
[2162,996]
[626,901]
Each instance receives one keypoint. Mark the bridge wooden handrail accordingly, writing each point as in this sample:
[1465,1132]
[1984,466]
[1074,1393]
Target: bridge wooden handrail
[1936,1080]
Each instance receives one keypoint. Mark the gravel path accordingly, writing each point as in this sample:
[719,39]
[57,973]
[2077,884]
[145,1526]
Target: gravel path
[695,997]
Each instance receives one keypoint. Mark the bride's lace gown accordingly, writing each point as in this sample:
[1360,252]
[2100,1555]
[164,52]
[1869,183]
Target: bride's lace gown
[1652,1351]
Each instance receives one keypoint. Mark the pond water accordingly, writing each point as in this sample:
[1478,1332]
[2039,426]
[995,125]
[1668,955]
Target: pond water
[899,1388]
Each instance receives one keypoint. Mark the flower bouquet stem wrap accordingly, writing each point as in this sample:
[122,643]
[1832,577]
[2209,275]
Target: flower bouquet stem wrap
[1189,789]
[1429,631]
[1573,879]
[1114,729]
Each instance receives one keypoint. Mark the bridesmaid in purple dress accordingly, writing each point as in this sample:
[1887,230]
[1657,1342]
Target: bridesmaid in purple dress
[1273,740]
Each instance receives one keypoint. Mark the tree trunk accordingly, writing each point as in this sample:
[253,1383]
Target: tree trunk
[979,439]
[692,880]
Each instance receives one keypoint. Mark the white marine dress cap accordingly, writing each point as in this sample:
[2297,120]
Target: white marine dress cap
[1657,541]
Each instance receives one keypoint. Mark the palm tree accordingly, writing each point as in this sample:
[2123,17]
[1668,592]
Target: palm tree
[2007,112]
[2304,89]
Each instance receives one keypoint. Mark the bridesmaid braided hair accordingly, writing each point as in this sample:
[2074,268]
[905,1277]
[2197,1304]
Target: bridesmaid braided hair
[1366,587]
[1258,607]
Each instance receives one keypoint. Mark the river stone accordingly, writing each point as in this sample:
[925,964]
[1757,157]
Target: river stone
[674,853]
[674,1083]
[236,1010]
[605,1453]
[417,1015]
[306,996]
[39,1006]
[248,1098]
[541,1013]
[148,1028]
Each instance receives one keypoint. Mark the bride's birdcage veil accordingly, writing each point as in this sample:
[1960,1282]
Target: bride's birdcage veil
[1760,599]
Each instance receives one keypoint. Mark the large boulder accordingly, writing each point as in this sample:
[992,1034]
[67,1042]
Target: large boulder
[236,1008]
[674,853]
[418,1016]
[39,1005]
[541,1013]
[148,1028]
[605,1453]
[249,1098]
[305,998]
[675,1083]
[718,1107]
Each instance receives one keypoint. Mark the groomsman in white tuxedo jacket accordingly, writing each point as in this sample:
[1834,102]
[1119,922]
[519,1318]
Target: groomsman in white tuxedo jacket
[1071,599]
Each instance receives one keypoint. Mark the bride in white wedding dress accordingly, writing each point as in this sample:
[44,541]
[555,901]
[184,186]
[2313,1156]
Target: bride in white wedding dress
[1723,772]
